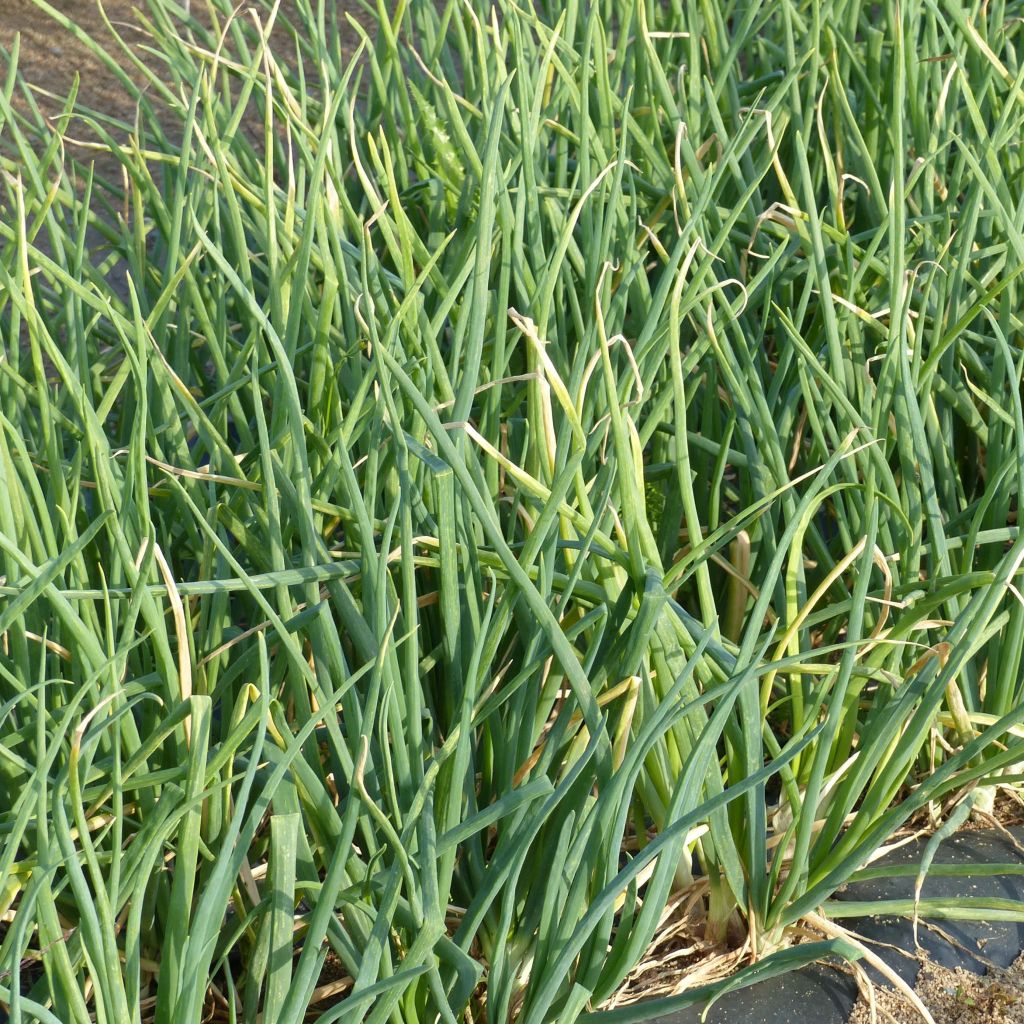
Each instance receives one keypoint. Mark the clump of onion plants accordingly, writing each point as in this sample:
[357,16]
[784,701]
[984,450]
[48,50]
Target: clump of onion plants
[484,484]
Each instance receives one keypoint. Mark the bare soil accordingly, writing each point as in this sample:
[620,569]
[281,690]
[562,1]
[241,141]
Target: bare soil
[51,56]
[953,997]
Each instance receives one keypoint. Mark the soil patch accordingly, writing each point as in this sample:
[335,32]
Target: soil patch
[51,56]
[953,997]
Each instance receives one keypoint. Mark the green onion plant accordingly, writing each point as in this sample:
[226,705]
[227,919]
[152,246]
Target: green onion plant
[484,483]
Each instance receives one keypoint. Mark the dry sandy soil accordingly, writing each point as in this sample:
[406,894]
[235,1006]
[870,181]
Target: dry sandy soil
[953,997]
[50,56]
